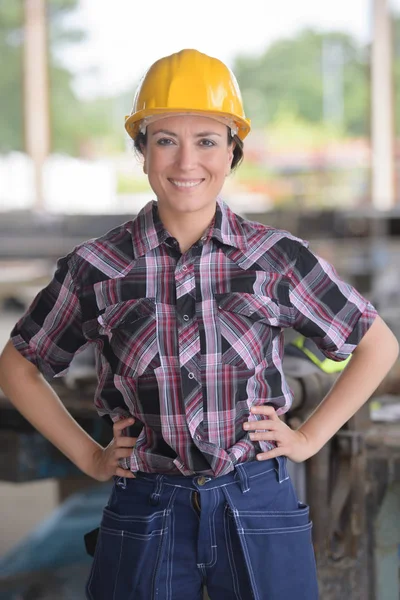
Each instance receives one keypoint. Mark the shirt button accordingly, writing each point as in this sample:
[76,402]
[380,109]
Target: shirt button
[191,375]
[186,317]
[201,480]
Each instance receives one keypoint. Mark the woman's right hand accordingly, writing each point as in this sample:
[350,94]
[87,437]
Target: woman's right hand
[106,460]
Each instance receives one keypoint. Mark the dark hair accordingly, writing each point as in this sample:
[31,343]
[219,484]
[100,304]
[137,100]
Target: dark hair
[141,140]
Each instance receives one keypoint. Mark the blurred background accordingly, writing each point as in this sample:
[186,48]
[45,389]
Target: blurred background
[321,84]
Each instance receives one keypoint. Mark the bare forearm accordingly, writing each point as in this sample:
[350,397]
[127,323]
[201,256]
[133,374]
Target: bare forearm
[34,398]
[370,363]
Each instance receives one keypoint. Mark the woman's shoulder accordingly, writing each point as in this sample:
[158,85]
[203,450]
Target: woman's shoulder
[269,238]
[111,253]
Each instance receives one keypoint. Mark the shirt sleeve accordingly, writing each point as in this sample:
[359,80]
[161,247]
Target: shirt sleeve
[50,332]
[327,309]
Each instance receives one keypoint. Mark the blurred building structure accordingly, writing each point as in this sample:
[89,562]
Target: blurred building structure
[382,111]
[36,92]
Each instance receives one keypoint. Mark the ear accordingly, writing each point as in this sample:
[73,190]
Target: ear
[230,158]
[143,150]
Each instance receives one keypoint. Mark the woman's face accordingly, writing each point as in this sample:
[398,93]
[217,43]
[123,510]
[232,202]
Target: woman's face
[186,159]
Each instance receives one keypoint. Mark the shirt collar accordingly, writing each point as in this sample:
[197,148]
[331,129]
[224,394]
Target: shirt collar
[148,231]
[228,227]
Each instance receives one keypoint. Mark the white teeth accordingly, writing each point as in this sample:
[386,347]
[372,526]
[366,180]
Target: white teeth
[185,183]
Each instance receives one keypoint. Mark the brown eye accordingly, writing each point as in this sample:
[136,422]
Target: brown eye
[164,142]
[207,143]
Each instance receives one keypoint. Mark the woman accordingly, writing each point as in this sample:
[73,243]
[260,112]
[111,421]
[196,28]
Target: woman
[186,307]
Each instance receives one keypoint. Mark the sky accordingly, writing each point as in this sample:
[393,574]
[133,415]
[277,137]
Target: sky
[124,37]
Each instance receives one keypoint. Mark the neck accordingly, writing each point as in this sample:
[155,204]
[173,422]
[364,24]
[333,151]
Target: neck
[186,228]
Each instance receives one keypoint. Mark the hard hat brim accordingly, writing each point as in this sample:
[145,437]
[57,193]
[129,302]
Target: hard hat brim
[132,122]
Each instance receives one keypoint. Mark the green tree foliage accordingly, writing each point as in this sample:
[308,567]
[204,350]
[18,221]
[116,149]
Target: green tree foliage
[73,121]
[289,77]
[11,76]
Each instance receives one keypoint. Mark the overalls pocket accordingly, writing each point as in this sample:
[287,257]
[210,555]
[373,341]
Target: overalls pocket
[128,555]
[277,550]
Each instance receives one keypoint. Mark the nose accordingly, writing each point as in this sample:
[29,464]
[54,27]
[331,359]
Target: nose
[186,156]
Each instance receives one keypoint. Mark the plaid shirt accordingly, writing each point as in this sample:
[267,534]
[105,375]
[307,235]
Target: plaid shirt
[187,343]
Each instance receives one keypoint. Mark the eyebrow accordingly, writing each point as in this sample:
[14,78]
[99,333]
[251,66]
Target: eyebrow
[201,134]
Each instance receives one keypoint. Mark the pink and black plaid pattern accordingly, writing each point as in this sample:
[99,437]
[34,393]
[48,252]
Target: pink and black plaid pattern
[188,343]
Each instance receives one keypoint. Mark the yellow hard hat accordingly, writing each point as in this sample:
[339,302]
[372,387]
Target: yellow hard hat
[188,82]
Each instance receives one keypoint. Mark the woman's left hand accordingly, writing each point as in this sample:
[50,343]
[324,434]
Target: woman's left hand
[289,442]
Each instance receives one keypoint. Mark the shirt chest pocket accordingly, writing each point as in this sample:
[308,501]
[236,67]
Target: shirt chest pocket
[248,325]
[130,336]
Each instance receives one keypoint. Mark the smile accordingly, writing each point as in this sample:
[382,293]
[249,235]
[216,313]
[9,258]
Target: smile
[186,184]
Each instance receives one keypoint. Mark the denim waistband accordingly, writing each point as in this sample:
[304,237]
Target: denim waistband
[242,474]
